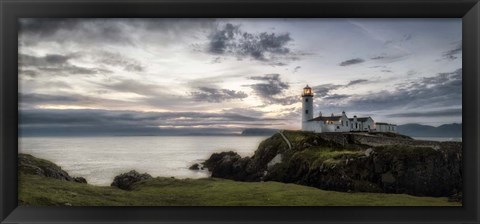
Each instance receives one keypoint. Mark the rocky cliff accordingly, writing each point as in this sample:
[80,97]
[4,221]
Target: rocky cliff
[27,164]
[362,162]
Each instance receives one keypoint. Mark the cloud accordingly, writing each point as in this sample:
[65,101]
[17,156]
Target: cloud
[30,98]
[133,86]
[453,53]
[214,95]
[47,60]
[296,69]
[230,40]
[336,97]
[435,113]
[272,89]
[91,32]
[393,57]
[352,62]
[34,30]
[439,91]
[55,64]
[273,85]
[111,122]
[29,73]
[323,91]
[356,81]
[115,59]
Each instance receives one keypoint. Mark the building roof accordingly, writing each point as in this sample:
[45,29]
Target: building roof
[361,119]
[327,118]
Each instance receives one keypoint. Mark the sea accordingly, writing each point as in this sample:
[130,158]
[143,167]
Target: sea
[100,159]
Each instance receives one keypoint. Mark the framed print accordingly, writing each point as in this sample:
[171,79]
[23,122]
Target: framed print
[223,111]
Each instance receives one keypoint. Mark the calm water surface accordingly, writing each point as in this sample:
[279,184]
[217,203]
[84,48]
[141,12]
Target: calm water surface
[100,159]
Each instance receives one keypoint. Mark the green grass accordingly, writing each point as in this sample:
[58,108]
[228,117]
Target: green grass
[319,155]
[36,190]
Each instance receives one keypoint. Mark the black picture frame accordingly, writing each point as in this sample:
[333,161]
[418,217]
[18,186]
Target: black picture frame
[11,10]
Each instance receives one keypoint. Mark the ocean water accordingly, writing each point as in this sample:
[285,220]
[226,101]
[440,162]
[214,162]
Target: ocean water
[100,159]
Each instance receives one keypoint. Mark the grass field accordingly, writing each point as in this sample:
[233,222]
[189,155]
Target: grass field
[37,190]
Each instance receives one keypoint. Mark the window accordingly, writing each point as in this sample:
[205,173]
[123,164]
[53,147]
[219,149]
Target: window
[356,125]
[306,111]
[306,100]
[338,127]
[347,123]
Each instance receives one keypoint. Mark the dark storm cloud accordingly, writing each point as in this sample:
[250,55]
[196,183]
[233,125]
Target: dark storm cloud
[107,31]
[272,89]
[55,64]
[438,113]
[231,40]
[453,53]
[47,60]
[63,30]
[352,62]
[442,90]
[272,85]
[214,95]
[46,27]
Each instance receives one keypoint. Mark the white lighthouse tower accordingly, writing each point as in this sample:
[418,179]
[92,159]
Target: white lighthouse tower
[307,106]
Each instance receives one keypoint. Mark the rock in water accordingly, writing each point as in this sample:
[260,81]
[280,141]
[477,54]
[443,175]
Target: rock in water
[195,166]
[80,180]
[126,180]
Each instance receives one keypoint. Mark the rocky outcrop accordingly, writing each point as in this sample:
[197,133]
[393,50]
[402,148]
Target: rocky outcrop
[350,162]
[195,166]
[125,181]
[28,164]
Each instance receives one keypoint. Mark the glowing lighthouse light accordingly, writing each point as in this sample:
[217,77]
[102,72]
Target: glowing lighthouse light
[307,91]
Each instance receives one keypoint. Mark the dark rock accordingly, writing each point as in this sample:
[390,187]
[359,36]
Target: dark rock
[389,163]
[216,158]
[80,180]
[28,164]
[126,180]
[195,166]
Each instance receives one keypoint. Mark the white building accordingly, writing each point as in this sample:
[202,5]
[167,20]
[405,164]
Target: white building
[384,127]
[335,123]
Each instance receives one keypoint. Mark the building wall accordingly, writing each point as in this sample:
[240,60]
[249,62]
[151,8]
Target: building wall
[386,128]
[307,110]
[368,125]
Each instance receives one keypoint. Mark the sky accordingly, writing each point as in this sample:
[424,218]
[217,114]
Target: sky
[177,76]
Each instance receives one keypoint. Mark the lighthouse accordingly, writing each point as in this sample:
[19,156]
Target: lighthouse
[307,106]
